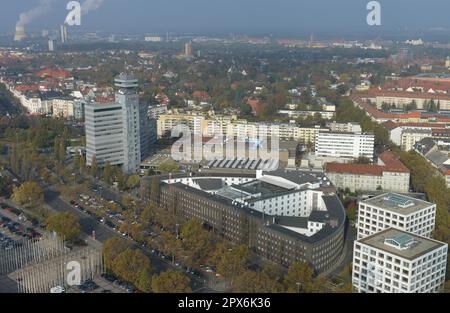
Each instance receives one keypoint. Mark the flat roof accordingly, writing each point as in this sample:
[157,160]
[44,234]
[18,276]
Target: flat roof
[421,245]
[397,203]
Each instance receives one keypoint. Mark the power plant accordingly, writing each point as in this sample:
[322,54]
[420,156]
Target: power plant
[20,33]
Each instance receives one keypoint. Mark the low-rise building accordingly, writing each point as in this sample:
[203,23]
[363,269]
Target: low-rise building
[390,174]
[395,261]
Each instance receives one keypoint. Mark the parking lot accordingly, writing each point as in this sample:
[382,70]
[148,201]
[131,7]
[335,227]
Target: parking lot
[14,227]
[103,284]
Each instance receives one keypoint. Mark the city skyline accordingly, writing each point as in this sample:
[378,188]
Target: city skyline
[280,17]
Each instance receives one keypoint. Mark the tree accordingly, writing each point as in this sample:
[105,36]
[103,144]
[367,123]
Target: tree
[195,239]
[107,173]
[112,248]
[29,194]
[133,181]
[171,245]
[82,164]
[256,282]
[144,281]
[171,282]
[154,190]
[130,264]
[300,277]
[234,262]
[66,225]
[94,166]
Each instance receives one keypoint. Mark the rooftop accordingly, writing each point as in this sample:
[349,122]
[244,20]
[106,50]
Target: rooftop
[401,243]
[397,203]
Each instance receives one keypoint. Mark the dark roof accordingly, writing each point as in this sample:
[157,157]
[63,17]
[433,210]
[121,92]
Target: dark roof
[297,177]
[209,183]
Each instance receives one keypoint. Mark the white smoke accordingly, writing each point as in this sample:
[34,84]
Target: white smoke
[90,5]
[28,16]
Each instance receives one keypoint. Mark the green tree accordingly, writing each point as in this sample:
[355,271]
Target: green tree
[66,225]
[171,282]
[144,281]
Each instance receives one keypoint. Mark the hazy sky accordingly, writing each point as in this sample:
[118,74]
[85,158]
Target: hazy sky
[225,16]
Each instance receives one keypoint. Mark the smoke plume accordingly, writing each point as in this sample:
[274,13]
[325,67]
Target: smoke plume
[28,16]
[90,5]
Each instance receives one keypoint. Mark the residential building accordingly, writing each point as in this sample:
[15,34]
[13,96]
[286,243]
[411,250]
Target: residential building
[344,145]
[395,261]
[345,127]
[389,174]
[398,211]
[410,137]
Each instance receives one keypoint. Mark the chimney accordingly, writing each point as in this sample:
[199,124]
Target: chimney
[20,33]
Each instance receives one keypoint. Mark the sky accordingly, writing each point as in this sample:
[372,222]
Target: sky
[235,16]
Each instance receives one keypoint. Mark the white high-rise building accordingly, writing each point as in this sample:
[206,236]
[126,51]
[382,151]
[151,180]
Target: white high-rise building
[397,211]
[344,145]
[112,129]
[394,261]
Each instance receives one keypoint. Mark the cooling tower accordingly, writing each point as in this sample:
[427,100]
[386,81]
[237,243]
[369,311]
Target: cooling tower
[20,33]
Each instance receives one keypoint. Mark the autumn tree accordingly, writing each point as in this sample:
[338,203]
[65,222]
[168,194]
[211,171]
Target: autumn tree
[112,248]
[130,264]
[171,282]
[29,194]
[66,225]
[300,277]
[234,262]
[195,239]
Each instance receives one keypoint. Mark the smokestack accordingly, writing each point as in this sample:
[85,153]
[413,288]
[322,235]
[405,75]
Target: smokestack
[20,33]
[64,33]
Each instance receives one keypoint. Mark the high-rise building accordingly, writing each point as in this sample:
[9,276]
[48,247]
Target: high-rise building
[51,45]
[188,49]
[398,211]
[64,37]
[395,261]
[20,33]
[128,96]
[113,129]
[148,129]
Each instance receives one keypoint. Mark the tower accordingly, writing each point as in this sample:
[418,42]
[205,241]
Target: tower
[20,33]
[128,97]
[64,33]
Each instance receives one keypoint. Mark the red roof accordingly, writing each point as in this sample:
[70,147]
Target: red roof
[254,104]
[200,94]
[405,94]
[392,164]
[53,73]
[359,169]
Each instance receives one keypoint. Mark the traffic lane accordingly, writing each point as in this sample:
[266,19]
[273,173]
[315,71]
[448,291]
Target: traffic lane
[103,233]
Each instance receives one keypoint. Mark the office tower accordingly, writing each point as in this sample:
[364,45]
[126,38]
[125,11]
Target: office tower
[398,211]
[148,129]
[20,33]
[112,129]
[51,45]
[188,49]
[395,261]
[128,96]
[64,37]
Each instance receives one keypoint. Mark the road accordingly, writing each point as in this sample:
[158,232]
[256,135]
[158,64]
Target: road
[102,233]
